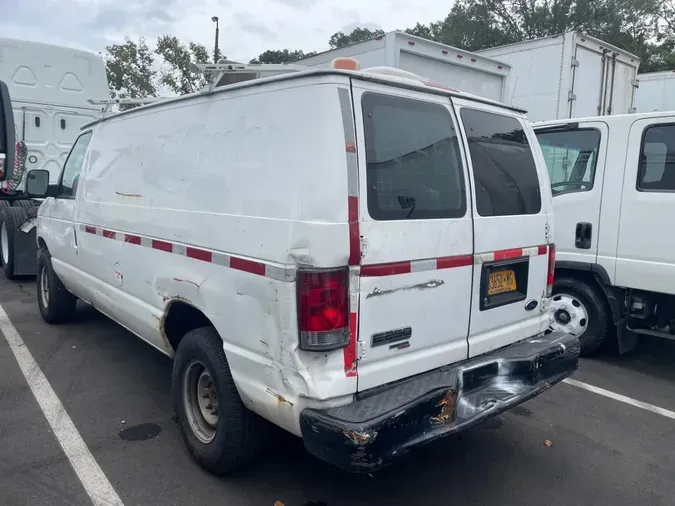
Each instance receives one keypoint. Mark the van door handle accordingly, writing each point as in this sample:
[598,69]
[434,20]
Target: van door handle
[583,235]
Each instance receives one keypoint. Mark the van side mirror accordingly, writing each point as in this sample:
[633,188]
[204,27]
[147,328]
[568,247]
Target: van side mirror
[7,134]
[37,183]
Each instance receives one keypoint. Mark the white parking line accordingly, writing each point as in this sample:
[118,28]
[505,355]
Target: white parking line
[87,469]
[622,398]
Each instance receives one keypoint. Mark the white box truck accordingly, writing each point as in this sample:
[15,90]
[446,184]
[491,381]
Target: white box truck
[50,88]
[442,64]
[570,75]
[656,92]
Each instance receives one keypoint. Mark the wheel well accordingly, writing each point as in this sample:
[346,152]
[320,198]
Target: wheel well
[42,244]
[612,295]
[180,319]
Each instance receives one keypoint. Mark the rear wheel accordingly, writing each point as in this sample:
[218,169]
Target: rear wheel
[11,218]
[581,310]
[219,431]
[57,304]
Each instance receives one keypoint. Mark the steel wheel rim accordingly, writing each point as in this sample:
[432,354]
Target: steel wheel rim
[567,313]
[4,243]
[200,400]
[44,288]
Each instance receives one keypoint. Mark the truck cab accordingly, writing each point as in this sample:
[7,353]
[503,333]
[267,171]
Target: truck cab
[52,91]
[613,185]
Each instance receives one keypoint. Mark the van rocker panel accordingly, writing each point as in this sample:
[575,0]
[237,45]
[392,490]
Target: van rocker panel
[386,422]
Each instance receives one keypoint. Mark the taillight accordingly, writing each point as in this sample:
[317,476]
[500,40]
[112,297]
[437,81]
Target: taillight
[323,309]
[551,269]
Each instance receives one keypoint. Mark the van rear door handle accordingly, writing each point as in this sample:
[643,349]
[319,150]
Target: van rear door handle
[583,235]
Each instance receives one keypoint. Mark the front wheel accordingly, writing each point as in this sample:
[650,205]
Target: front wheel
[57,304]
[219,431]
[581,310]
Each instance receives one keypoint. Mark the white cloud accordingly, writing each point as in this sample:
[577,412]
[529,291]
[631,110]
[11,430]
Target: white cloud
[247,28]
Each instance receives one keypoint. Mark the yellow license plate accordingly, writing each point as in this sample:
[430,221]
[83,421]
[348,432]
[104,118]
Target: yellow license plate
[501,282]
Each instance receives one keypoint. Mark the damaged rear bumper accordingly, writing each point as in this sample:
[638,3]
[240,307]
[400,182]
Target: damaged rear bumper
[386,422]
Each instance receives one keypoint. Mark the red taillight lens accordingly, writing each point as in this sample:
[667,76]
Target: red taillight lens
[323,309]
[551,269]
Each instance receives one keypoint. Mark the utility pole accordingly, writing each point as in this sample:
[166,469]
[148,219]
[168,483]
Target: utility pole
[216,52]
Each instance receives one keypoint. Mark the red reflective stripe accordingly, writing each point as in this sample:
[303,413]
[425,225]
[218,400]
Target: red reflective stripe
[242,264]
[108,234]
[350,349]
[132,239]
[542,250]
[354,234]
[507,254]
[162,246]
[90,230]
[371,271]
[451,262]
[351,147]
[199,254]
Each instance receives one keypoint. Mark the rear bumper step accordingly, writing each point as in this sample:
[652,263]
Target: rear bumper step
[384,423]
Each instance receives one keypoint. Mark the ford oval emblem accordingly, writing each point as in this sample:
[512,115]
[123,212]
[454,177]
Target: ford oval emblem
[531,305]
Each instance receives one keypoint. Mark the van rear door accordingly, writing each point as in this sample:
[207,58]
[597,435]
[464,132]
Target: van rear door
[416,231]
[511,212]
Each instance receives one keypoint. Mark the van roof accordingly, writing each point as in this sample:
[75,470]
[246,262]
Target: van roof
[617,118]
[362,74]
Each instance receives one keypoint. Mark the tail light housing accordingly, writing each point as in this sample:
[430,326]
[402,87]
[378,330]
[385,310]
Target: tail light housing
[323,309]
[551,270]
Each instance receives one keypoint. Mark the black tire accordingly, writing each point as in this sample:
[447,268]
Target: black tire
[3,204]
[26,204]
[11,218]
[240,434]
[60,305]
[599,316]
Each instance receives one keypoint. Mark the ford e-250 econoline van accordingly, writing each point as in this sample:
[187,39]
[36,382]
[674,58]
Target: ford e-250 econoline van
[361,258]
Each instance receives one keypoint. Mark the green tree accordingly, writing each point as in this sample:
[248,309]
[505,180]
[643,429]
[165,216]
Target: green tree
[130,70]
[280,56]
[339,39]
[178,73]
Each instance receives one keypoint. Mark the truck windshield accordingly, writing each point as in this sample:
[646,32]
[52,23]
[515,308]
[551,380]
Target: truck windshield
[571,157]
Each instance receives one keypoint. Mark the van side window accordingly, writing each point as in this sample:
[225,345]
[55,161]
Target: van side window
[571,157]
[414,169]
[506,176]
[657,159]
[73,166]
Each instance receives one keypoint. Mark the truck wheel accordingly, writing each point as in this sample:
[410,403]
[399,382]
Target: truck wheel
[3,204]
[26,204]
[57,305]
[11,219]
[219,431]
[580,310]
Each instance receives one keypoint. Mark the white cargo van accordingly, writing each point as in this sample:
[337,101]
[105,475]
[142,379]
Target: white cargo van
[359,258]
[613,182]
[569,75]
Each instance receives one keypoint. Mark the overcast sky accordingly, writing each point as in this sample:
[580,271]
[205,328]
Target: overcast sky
[247,28]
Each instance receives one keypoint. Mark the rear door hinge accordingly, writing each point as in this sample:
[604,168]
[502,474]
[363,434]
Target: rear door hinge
[575,62]
[571,96]
[635,83]
[362,350]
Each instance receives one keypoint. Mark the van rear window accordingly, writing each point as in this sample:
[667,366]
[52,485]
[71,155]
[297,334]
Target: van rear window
[507,182]
[414,169]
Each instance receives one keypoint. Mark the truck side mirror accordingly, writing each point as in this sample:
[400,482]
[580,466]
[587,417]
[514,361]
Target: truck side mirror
[37,183]
[7,139]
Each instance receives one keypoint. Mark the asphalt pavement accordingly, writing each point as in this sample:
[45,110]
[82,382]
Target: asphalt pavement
[567,446]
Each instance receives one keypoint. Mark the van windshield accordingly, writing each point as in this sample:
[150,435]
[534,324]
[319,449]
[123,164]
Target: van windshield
[414,170]
[571,157]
